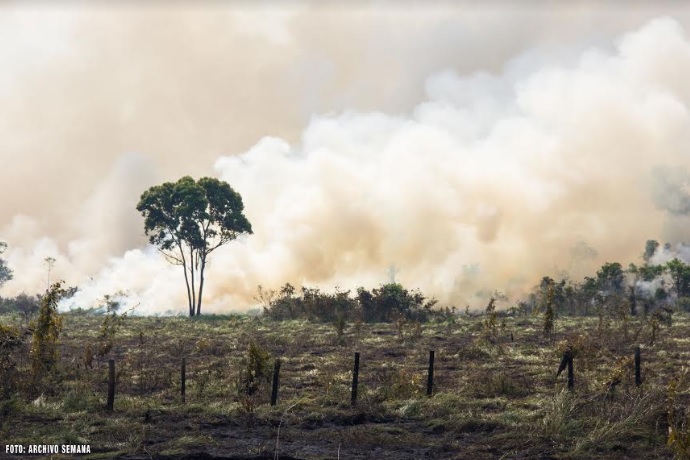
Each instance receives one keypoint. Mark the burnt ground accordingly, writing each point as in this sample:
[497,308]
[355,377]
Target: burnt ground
[494,397]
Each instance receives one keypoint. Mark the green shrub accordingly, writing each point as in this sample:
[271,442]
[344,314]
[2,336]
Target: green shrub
[46,334]
[111,324]
[386,303]
[391,301]
[255,369]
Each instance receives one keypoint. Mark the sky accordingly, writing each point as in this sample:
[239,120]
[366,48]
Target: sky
[474,147]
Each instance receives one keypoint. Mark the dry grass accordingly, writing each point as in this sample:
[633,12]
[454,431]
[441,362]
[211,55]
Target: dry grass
[493,397]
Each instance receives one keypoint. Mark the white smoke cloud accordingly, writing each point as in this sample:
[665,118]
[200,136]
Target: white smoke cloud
[110,224]
[461,180]
[502,167]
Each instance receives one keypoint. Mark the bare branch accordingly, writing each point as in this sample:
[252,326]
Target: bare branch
[170,258]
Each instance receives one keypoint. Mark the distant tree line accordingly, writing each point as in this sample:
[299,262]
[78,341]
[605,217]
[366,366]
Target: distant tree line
[24,304]
[27,306]
[613,290]
[637,289]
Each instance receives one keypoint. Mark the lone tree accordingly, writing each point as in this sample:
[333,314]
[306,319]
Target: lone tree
[187,220]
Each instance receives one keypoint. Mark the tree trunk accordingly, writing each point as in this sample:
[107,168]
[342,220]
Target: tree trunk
[191,270]
[633,302]
[186,281]
[201,283]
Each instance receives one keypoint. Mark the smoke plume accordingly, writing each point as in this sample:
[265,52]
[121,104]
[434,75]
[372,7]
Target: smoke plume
[472,149]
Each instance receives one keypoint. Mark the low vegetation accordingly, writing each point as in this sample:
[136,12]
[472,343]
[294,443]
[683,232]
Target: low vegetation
[494,394]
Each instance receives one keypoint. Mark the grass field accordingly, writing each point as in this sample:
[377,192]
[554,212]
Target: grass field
[496,394]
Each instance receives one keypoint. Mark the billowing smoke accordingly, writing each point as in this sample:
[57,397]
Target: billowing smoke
[671,193]
[469,168]
[671,190]
[668,252]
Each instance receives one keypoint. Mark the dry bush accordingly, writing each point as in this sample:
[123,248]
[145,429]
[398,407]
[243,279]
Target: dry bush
[583,347]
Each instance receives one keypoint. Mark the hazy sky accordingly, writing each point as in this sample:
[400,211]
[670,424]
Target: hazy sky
[475,148]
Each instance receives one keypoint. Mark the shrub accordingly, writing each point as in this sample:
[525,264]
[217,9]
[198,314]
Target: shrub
[405,384]
[339,326]
[391,302]
[255,369]
[490,321]
[112,323]
[46,333]
[387,304]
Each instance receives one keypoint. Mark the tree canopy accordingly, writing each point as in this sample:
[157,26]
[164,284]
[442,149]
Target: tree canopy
[187,220]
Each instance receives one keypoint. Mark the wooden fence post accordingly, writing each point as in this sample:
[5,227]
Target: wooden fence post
[183,379]
[430,378]
[638,359]
[276,376]
[111,385]
[355,379]
[567,361]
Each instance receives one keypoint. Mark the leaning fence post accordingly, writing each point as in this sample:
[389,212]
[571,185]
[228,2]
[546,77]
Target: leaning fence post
[567,361]
[183,378]
[276,376]
[430,379]
[355,379]
[111,384]
[638,359]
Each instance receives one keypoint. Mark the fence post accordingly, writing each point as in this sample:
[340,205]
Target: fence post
[111,385]
[276,376]
[430,379]
[355,379]
[567,361]
[183,379]
[638,359]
